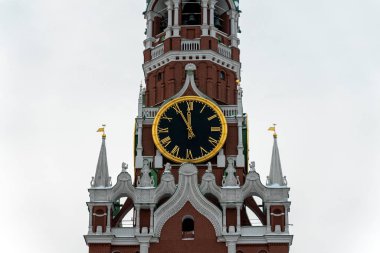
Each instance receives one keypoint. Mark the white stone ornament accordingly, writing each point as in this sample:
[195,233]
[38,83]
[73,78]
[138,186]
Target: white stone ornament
[252,166]
[145,180]
[209,167]
[168,168]
[230,179]
[124,167]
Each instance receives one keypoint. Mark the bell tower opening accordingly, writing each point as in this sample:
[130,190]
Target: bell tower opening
[191,12]
[160,20]
[221,17]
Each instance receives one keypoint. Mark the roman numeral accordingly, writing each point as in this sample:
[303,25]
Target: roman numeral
[202,108]
[176,108]
[189,154]
[166,117]
[190,105]
[212,141]
[166,141]
[211,117]
[175,151]
[215,129]
[203,151]
[163,130]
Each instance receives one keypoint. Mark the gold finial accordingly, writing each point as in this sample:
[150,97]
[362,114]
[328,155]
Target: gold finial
[237,81]
[102,130]
[273,129]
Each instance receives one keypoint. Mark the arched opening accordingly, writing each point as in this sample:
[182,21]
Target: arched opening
[160,21]
[162,200]
[254,208]
[122,212]
[221,18]
[188,228]
[191,12]
[213,200]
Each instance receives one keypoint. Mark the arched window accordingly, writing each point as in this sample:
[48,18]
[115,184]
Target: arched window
[222,75]
[191,12]
[188,228]
[159,76]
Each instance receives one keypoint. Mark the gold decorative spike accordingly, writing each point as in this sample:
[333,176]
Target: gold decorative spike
[237,81]
[102,130]
[273,129]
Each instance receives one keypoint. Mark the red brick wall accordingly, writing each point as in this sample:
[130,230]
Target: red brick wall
[99,248]
[168,80]
[205,240]
[99,221]
[277,220]
[263,248]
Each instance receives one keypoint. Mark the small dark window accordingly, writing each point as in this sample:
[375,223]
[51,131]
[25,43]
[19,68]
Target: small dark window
[188,228]
[159,76]
[222,75]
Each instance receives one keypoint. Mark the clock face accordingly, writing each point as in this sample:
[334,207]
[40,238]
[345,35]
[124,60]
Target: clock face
[189,129]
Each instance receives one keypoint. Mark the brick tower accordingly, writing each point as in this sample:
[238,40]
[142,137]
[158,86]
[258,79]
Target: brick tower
[194,189]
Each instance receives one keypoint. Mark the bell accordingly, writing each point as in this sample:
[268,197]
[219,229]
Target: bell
[217,22]
[191,20]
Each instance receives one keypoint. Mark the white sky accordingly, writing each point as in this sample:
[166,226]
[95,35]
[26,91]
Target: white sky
[312,67]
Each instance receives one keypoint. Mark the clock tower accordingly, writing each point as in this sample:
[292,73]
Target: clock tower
[193,187]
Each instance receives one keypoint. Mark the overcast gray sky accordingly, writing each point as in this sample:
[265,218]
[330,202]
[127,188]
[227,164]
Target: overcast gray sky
[312,67]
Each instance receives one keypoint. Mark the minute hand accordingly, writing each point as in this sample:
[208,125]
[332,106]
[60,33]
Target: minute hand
[187,124]
[190,133]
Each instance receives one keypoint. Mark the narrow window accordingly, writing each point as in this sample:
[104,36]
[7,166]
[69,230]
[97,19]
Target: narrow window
[222,75]
[188,228]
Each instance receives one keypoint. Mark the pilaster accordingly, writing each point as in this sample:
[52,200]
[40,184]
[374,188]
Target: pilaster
[212,9]
[240,159]
[204,26]
[168,30]
[176,27]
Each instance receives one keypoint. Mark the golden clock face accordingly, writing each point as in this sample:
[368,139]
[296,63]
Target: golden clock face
[189,129]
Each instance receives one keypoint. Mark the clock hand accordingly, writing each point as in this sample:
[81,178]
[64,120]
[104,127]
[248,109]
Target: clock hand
[190,133]
[190,130]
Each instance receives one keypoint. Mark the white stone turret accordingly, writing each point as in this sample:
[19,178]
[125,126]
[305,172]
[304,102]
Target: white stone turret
[102,178]
[275,177]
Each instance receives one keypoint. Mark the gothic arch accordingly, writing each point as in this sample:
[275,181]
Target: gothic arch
[187,191]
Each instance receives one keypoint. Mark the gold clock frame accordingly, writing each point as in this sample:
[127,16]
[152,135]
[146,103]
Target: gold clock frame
[213,152]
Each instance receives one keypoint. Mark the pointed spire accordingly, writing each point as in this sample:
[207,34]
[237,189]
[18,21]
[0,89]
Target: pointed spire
[275,175]
[102,178]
